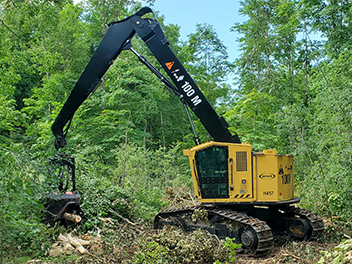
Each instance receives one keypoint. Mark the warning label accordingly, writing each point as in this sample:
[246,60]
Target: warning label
[170,64]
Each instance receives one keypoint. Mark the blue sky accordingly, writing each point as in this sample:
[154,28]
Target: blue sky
[222,14]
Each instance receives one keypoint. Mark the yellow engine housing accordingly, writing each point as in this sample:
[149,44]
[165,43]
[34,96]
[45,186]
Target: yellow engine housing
[232,173]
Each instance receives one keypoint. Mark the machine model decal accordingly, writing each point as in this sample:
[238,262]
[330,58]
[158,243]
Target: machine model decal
[186,87]
[268,193]
[286,179]
[189,91]
[267,176]
[178,78]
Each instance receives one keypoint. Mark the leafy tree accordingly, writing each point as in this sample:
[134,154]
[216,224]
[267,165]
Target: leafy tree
[333,20]
[206,57]
[256,115]
[329,159]
[255,66]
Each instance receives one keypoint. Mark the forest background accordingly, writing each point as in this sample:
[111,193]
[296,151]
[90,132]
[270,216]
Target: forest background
[292,94]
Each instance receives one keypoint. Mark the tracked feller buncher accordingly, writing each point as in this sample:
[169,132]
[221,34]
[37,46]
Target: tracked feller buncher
[243,194]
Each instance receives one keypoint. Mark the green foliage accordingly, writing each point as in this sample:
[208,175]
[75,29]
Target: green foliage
[332,20]
[20,207]
[132,185]
[229,244]
[326,146]
[152,253]
[206,58]
[232,247]
[177,247]
[256,116]
[341,254]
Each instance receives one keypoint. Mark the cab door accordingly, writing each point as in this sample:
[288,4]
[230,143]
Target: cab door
[212,168]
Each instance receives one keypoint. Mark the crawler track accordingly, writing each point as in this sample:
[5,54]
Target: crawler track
[315,221]
[254,235]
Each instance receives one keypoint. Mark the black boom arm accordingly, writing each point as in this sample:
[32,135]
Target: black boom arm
[118,38]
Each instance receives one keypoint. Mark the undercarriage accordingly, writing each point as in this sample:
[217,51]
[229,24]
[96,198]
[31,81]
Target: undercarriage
[252,227]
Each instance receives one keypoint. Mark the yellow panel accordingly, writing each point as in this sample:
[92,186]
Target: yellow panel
[240,170]
[274,176]
[267,180]
[286,177]
[190,153]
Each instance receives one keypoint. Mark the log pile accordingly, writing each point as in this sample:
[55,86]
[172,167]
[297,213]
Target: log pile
[68,244]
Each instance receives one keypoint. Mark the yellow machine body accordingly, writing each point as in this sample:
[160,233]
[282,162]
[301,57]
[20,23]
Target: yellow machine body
[232,173]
